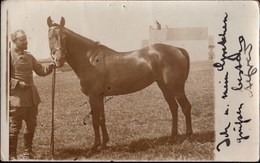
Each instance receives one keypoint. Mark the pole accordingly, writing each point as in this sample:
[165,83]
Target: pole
[52,115]
[7,65]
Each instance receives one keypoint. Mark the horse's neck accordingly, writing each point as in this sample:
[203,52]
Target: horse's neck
[77,48]
[79,51]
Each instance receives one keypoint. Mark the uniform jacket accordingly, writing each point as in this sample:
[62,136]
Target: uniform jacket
[22,65]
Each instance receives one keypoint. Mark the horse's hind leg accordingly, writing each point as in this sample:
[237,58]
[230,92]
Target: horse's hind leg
[186,108]
[169,97]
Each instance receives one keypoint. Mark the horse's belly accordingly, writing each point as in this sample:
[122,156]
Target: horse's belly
[129,85]
[126,89]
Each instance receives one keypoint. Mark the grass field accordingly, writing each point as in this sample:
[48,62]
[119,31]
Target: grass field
[138,124]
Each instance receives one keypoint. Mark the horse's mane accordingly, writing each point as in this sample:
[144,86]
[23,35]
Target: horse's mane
[86,40]
[80,37]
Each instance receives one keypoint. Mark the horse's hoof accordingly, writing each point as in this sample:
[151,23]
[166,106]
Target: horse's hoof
[90,153]
[93,150]
[172,139]
[95,146]
[101,147]
[188,134]
[189,137]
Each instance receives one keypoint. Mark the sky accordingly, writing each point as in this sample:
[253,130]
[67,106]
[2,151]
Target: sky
[119,25]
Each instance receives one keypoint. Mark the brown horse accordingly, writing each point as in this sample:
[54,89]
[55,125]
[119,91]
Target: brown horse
[105,72]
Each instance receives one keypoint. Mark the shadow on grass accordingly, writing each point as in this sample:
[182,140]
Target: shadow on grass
[137,146]
[145,144]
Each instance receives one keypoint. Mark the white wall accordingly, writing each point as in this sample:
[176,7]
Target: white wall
[194,40]
[197,49]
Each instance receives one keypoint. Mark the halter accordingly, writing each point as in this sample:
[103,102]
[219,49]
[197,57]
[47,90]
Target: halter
[54,51]
[58,48]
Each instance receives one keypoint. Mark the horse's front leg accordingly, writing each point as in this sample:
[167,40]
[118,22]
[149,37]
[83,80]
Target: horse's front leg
[96,104]
[103,127]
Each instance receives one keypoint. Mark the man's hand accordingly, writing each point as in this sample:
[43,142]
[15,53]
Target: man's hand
[51,66]
[23,85]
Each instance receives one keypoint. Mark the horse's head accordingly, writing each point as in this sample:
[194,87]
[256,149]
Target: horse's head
[57,41]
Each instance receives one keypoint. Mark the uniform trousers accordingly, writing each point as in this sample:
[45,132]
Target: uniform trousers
[16,117]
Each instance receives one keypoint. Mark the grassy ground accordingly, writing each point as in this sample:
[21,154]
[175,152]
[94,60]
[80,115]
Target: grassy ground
[138,124]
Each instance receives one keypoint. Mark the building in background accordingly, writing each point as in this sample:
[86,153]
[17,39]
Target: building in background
[211,47]
[194,39]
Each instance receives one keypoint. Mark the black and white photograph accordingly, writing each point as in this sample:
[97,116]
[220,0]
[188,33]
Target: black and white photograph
[129,80]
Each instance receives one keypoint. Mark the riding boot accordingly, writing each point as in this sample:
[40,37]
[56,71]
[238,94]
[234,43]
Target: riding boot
[28,140]
[12,147]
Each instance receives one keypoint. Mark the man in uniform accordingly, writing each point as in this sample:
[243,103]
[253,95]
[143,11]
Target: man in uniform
[24,97]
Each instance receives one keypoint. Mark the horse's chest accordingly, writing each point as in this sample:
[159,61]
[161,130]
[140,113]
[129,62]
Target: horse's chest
[84,87]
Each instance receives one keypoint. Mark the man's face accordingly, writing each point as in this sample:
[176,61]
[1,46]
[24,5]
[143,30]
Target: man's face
[21,42]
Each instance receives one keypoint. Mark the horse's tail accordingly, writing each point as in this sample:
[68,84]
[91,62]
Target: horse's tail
[186,55]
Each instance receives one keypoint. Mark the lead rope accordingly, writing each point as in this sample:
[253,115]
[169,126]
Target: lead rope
[52,114]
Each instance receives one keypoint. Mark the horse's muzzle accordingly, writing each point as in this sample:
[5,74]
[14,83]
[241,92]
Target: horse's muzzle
[59,58]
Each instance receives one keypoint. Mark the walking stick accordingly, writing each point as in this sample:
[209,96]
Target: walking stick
[52,114]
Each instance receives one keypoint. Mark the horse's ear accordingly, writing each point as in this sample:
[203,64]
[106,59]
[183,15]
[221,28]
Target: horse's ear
[49,21]
[62,22]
